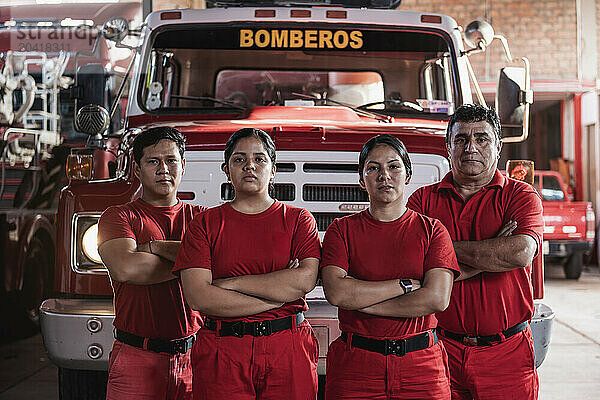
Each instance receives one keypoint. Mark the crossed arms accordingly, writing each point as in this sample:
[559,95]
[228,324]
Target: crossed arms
[387,298]
[129,262]
[502,253]
[248,294]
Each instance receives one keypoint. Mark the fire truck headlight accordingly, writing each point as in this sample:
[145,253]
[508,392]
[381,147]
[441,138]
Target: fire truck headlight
[90,244]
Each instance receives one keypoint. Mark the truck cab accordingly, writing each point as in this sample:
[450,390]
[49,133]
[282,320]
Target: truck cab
[320,80]
[569,226]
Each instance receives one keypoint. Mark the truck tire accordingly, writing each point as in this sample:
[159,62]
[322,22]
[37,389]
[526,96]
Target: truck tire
[38,280]
[75,384]
[38,285]
[573,266]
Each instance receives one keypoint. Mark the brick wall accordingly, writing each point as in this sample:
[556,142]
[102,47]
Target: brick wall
[543,31]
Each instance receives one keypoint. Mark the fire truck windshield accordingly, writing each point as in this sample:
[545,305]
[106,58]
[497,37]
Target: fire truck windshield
[232,68]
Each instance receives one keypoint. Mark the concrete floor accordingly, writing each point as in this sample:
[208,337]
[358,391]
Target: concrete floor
[571,369]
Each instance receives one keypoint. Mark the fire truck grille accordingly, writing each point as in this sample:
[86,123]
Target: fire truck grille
[325,219]
[283,191]
[334,193]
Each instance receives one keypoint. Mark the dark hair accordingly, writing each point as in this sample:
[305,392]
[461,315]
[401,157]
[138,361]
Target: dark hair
[474,113]
[261,135]
[150,137]
[250,132]
[388,140]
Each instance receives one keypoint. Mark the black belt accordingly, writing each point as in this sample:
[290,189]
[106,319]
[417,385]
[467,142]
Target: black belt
[396,347]
[474,340]
[256,328]
[156,345]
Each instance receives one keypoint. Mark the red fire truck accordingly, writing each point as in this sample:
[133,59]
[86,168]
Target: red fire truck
[321,81]
[40,48]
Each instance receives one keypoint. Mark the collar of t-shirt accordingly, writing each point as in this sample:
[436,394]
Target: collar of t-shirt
[160,209]
[447,183]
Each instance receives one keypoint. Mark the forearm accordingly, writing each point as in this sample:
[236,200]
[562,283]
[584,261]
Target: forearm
[497,254]
[467,272]
[219,302]
[166,249]
[422,302]
[354,294]
[281,286]
[141,268]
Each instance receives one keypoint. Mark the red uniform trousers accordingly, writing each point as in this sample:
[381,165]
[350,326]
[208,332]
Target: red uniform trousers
[138,374]
[505,370]
[281,366]
[359,374]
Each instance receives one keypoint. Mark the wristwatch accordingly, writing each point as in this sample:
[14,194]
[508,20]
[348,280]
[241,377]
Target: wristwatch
[406,285]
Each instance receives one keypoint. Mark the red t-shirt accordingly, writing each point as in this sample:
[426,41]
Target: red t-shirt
[373,250]
[231,243]
[489,302]
[160,310]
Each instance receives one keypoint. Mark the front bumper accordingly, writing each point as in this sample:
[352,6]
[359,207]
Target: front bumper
[541,327]
[78,333]
[564,248]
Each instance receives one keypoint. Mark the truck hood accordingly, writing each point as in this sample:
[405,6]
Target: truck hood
[303,128]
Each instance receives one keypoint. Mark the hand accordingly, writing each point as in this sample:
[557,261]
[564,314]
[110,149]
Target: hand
[293,264]
[144,247]
[507,229]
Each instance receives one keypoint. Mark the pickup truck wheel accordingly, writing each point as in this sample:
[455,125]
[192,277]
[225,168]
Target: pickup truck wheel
[75,384]
[573,266]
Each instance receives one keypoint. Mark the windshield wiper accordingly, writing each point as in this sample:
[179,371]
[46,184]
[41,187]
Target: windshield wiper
[393,103]
[370,114]
[214,100]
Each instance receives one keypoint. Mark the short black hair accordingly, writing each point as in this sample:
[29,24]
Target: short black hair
[250,132]
[474,113]
[150,137]
[388,140]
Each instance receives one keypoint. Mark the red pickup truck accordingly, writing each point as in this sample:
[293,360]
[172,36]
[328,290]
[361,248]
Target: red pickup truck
[569,225]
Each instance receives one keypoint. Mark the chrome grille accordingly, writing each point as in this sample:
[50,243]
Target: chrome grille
[325,219]
[334,193]
[283,191]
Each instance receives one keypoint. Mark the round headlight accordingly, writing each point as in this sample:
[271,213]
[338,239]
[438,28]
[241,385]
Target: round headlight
[90,244]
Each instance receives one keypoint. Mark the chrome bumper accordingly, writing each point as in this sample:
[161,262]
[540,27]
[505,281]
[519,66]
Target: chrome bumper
[541,327]
[77,333]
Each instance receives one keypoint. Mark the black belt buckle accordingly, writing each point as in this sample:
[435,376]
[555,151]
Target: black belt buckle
[470,340]
[237,328]
[396,347]
[262,328]
[182,345]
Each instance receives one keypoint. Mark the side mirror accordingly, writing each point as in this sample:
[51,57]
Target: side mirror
[479,34]
[115,29]
[513,98]
[90,89]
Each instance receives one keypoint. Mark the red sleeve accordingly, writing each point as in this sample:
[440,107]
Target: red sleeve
[415,201]
[335,251]
[195,251]
[305,242]
[526,208]
[440,253]
[114,223]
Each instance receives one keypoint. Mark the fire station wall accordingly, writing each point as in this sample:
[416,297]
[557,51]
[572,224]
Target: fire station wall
[544,31]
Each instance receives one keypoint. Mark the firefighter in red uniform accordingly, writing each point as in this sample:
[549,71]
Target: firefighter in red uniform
[138,243]
[235,267]
[372,266]
[496,225]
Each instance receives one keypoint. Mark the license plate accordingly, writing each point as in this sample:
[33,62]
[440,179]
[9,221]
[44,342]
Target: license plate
[546,247]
